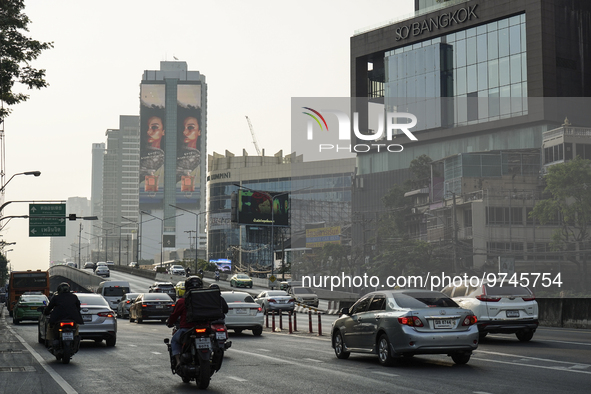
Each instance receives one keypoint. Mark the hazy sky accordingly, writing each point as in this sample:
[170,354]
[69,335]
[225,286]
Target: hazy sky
[256,55]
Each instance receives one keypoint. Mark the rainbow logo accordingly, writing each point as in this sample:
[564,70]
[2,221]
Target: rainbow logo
[315,118]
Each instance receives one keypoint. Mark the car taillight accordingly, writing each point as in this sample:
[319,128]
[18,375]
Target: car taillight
[486,298]
[469,320]
[172,305]
[530,298]
[127,302]
[144,305]
[412,321]
[272,300]
[67,324]
[291,300]
[105,314]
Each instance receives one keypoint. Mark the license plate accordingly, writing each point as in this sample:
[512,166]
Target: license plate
[202,343]
[439,324]
[512,313]
[86,317]
[159,306]
[220,335]
[33,308]
[282,301]
[67,336]
[241,311]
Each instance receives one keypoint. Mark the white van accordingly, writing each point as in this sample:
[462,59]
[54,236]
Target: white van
[113,291]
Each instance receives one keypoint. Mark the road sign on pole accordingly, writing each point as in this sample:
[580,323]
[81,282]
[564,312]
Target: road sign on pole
[47,220]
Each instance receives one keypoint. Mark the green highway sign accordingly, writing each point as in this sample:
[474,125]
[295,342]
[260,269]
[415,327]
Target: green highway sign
[47,220]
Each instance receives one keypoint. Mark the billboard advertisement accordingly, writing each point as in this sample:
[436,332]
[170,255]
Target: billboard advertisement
[255,208]
[224,265]
[190,144]
[152,143]
[318,237]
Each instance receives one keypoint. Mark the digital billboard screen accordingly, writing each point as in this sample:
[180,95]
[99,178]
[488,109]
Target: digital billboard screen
[224,265]
[254,207]
[190,143]
[152,143]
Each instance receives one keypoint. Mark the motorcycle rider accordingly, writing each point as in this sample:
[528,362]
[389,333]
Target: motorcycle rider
[65,306]
[180,313]
[217,274]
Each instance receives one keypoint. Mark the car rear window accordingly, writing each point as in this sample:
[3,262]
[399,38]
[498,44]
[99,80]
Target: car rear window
[507,289]
[237,297]
[33,298]
[115,291]
[157,297]
[88,299]
[302,290]
[276,293]
[424,300]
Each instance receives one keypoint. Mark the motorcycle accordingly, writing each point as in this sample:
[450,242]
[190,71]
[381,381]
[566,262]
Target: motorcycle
[217,276]
[202,353]
[66,342]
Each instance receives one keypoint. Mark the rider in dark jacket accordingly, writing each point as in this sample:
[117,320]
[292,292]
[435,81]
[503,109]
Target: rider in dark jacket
[63,306]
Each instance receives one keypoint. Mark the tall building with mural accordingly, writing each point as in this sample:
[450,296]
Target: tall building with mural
[173,130]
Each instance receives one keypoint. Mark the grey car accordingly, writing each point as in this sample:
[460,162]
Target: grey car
[398,323]
[125,304]
[275,300]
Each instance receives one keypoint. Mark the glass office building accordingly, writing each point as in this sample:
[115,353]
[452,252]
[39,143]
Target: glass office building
[318,194]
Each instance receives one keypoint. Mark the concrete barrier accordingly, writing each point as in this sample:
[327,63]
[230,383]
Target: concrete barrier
[565,312]
[82,278]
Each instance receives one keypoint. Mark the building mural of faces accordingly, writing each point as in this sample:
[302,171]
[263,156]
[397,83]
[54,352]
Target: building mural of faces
[152,141]
[189,140]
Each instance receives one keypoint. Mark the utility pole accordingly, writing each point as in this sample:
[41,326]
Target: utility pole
[455,224]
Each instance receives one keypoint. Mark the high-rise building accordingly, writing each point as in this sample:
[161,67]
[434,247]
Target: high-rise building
[74,246]
[120,192]
[173,135]
[96,191]
[480,76]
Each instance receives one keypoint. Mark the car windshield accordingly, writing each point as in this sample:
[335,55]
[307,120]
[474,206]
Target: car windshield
[115,291]
[92,299]
[507,289]
[33,298]
[276,293]
[164,285]
[157,297]
[177,267]
[242,276]
[302,290]
[425,299]
[237,297]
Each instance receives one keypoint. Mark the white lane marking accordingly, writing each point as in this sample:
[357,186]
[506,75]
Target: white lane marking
[58,379]
[530,358]
[314,360]
[481,392]
[237,379]
[155,352]
[131,345]
[562,369]
[567,342]
[385,373]
[264,350]
[316,368]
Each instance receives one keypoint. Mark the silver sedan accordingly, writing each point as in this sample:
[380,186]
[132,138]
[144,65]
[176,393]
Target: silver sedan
[398,323]
[275,300]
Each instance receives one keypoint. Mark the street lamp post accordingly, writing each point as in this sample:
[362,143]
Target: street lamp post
[34,173]
[161,232]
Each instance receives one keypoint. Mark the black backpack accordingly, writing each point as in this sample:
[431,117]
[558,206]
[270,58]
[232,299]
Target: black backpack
[203,305]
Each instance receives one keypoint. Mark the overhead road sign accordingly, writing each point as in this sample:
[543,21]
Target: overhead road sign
[47,220]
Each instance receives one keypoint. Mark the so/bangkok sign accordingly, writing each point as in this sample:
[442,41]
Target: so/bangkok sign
[442,21]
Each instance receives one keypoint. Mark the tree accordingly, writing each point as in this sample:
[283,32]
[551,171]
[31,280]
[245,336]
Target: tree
[3,269]
[17,51]
[569,185]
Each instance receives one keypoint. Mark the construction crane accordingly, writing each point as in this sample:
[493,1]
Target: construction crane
[254,138]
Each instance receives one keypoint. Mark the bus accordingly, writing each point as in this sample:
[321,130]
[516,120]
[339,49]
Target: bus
[26,281]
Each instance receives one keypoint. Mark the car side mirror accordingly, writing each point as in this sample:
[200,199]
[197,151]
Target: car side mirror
[345,311]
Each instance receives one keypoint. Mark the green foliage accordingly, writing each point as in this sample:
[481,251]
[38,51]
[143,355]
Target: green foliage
[17,51]
[569,185]
[3,270]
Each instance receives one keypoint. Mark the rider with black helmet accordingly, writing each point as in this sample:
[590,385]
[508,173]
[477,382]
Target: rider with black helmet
[180,313]
[63,306]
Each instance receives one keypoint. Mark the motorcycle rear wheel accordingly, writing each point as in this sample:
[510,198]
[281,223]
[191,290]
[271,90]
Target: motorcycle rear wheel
[204,374]
[67,353]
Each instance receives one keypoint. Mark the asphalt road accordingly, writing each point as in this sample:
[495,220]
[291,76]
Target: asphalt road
[555,361]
